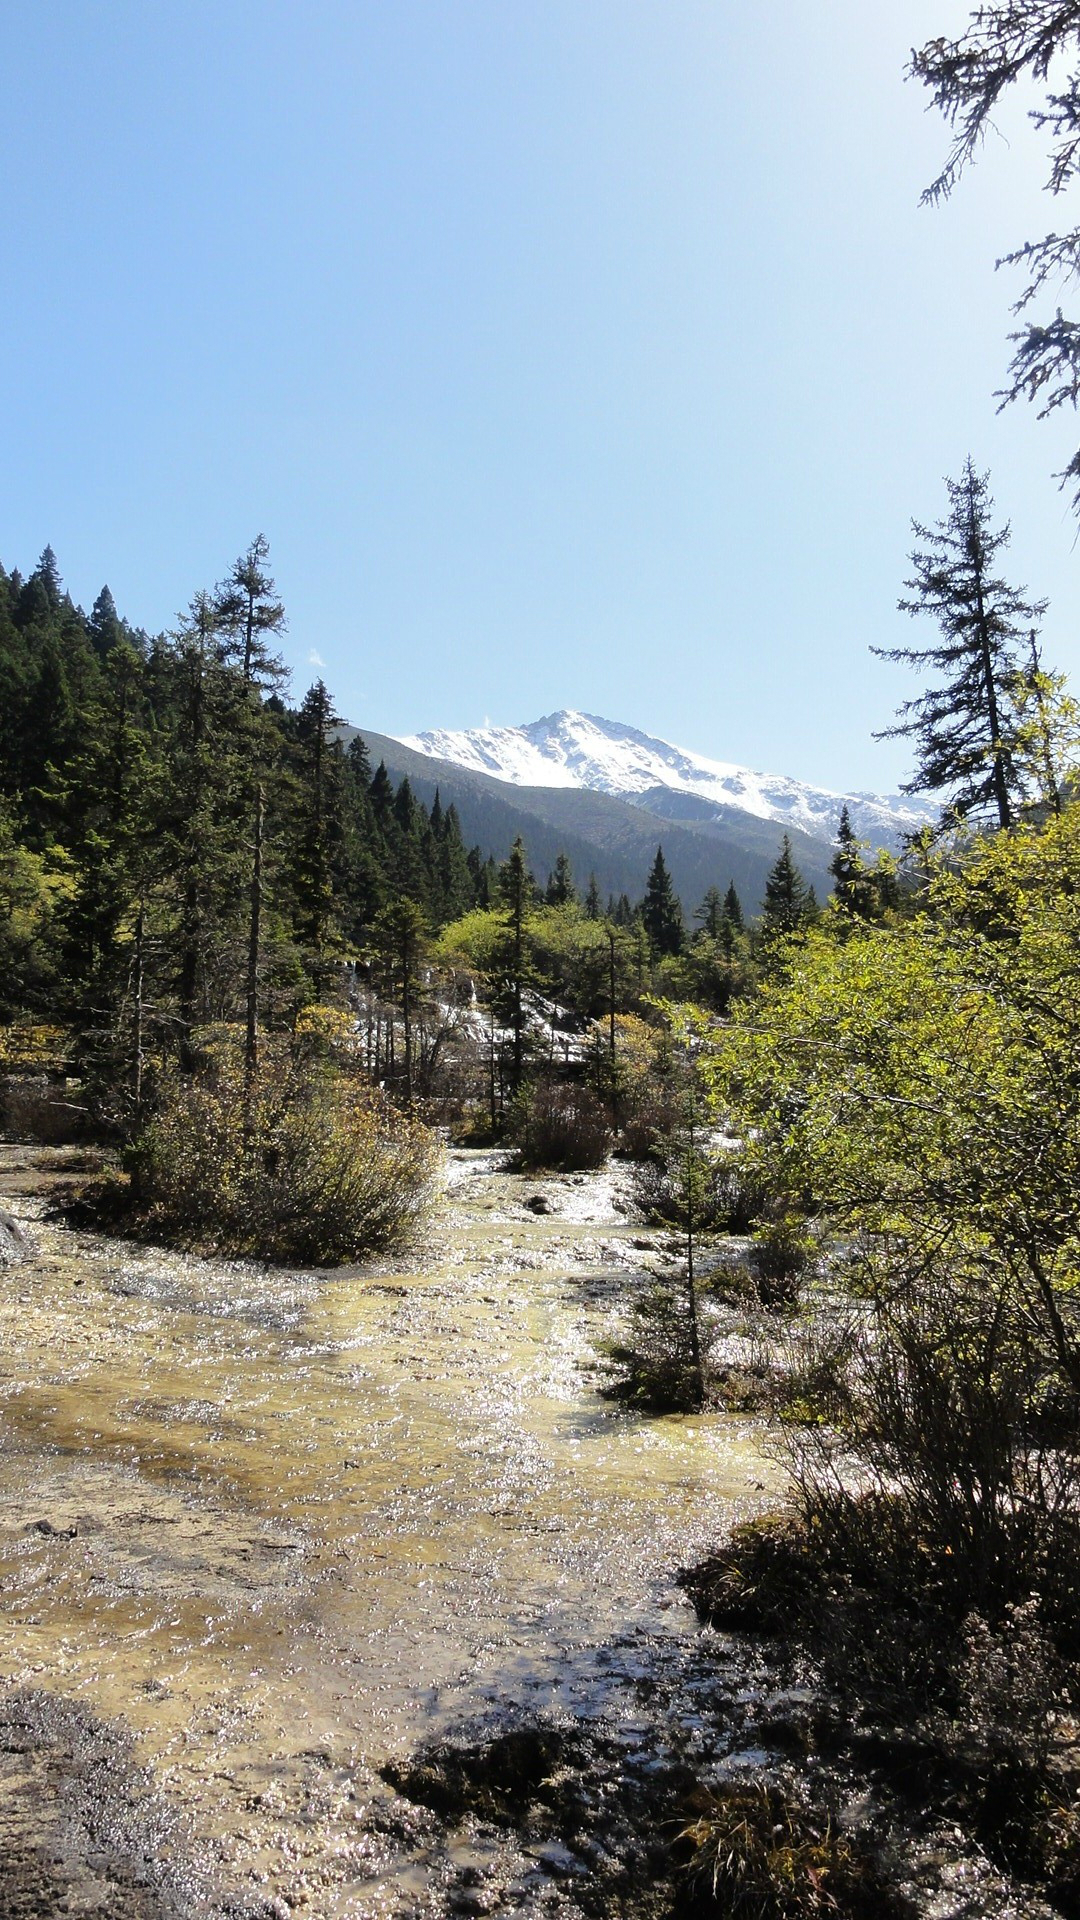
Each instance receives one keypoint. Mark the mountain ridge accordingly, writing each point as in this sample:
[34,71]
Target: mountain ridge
[603,833]
[572,749]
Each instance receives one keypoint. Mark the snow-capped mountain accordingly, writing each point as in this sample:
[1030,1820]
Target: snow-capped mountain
[571,749]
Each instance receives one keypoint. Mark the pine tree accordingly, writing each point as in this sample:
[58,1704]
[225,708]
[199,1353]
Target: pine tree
[248,609]
[711,913]
[457,890]
[400,933]
[112,803]
[206,793]
[963,726]
[733,912]
[363,877]
[787,899]
[592,899]
[382,799]
[106,628]
[45,581]
[661,912]
[848,869]
[320,826]
[561,890]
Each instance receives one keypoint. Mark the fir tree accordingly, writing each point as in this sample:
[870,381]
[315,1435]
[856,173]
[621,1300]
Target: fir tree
[105,625]
[848,868]
[45,586]
[963,726]
[206,790]
[787,899]
[382,799]
[320,824]
[561,891]
[711,913]
[111,797]
[249,610]
[457,890]
[400,933]
[661,912]
[363,884]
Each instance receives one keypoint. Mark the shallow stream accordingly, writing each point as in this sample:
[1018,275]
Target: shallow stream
[285,1527]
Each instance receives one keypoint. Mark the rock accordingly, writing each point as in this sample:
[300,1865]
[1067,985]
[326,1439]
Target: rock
[538,1203]
[54,1533]
[15,1244]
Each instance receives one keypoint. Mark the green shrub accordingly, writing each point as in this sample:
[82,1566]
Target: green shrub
[311,1166]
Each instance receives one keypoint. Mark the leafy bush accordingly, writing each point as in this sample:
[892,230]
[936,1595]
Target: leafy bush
[311,1166]
[648,1112]
[917,1078]
[559,1125]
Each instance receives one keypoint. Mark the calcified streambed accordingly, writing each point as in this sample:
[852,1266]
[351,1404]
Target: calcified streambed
[268,1535]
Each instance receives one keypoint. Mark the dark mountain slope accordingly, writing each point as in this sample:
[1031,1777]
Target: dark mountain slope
[602,834]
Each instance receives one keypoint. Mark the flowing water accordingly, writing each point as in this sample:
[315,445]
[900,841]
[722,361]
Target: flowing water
[285,1526]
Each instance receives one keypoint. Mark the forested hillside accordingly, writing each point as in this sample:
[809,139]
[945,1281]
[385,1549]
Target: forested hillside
[605,834]
[182,847]
[148,784]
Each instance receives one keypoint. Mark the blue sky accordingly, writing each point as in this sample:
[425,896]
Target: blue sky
[585,353]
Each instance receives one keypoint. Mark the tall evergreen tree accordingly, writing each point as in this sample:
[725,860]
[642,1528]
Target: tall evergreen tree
[320,827]
[363,877]
[45,586]
[848,868]
[206,791]
[457,890]
[787,902]
[561,891]
[963,726]
[711,913]
[112,801]
[400,933]
[661,912]
[106,627]
[250,612]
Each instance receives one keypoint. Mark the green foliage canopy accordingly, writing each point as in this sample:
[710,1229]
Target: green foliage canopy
[918,1081]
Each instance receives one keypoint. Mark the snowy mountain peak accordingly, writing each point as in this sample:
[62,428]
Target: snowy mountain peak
[571,749]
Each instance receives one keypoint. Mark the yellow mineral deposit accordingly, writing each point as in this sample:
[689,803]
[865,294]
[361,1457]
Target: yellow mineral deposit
[282,1526]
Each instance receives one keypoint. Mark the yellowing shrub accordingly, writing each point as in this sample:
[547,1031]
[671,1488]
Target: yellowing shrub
[311,1166]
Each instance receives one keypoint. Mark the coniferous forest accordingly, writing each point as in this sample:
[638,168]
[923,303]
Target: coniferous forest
[183,849]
